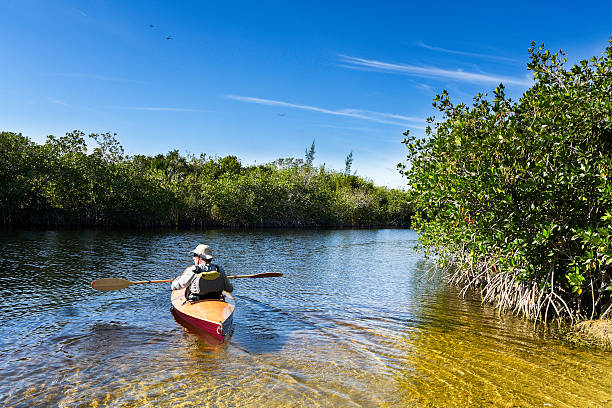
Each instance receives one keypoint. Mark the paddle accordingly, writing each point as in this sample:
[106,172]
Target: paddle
[257,275]
[106,284]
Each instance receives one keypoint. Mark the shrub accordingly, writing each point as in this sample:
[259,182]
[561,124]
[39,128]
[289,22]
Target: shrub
[516,197]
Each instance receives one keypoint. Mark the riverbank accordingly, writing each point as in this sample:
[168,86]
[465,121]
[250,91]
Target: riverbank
[592,333]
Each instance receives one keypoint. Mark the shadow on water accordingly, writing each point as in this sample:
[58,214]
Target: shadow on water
[259,327]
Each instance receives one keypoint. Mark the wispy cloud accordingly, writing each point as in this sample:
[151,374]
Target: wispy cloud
[466,53]
[353,113]
[94,77]
[424,86]
[384,115]
[352,128]
[81,12]
[428,72]
[57,101]
[161,109]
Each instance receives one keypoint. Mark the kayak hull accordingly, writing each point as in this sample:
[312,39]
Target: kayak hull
[214,317]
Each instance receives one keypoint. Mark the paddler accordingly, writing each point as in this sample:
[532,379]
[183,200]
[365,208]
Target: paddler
[204,280]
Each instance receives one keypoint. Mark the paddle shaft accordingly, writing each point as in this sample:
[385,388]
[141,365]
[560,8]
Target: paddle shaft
[255,275]
[154,281]
[107,284]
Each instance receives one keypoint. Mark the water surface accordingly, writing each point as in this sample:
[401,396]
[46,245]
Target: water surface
[355,321]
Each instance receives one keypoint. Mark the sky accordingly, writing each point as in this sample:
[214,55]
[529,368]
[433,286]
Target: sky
[262,80]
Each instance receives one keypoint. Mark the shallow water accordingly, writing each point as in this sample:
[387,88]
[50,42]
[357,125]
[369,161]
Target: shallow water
[355,321]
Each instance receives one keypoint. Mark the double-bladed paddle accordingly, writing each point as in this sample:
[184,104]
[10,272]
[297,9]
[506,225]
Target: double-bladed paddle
[106,284]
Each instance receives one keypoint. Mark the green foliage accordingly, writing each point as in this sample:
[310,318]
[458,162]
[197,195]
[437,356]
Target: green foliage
[17,165]
[60,184]
[523,189]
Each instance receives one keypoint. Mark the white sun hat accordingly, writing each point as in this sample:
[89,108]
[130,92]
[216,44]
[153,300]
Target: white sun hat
[203,251]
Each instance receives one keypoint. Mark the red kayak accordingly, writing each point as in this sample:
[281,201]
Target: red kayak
[210,316]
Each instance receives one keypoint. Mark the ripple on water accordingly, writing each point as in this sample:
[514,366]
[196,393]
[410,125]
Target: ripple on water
[354,322]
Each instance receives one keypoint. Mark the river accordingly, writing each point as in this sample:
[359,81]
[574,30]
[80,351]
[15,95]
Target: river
[356,321]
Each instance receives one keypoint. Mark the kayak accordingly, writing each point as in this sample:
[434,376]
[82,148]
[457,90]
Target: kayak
[210,316]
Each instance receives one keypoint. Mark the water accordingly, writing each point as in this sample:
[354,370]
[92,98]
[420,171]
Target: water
[355,322]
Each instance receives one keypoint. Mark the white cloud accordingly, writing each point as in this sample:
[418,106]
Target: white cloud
[429,72]
[386,115]
[353,113]
[57,101]
[469,54]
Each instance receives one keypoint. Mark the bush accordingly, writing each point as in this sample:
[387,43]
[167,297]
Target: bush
[516,197]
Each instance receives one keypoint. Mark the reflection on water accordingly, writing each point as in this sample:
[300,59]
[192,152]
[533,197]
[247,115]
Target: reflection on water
[353,322]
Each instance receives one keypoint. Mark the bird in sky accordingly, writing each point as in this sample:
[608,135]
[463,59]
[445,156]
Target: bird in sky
[150,25]
[168,38]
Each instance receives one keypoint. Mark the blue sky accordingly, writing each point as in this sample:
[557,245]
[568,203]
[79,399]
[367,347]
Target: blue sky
[262,80]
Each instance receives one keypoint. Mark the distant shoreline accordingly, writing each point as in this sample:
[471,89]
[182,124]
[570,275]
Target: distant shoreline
[40,228]
[64,183]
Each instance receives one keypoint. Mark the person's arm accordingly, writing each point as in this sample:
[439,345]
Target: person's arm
[183,280]
[228,285]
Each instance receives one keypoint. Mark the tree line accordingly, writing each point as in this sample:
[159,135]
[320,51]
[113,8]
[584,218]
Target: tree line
[516,197]
[63,183]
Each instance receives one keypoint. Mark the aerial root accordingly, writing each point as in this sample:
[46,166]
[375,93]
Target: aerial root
[502,287]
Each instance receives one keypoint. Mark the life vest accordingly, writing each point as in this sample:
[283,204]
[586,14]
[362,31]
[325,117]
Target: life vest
[210,274]
[207,283]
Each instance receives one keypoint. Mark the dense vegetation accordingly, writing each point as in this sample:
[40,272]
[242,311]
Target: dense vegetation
[516,198]
[60,183]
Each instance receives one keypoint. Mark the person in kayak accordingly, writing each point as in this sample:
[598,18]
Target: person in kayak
[204,280]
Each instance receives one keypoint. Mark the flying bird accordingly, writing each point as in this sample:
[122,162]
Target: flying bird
[168,38]
[150,25]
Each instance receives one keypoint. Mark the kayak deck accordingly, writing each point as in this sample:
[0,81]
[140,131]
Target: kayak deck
[211,316]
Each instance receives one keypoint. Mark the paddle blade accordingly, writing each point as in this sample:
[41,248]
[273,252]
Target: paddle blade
[257,275]
[267,275]
[106,284]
